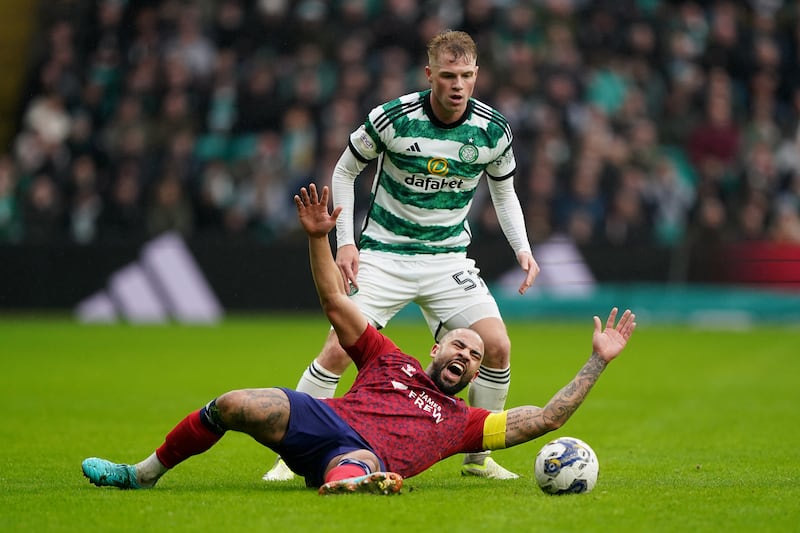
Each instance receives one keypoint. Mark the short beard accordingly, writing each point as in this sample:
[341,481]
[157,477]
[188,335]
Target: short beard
[450,390]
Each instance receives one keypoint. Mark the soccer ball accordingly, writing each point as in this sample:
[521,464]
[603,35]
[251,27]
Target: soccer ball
[566,465]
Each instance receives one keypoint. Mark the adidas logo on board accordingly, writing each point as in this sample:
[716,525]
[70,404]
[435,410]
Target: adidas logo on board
[164,284]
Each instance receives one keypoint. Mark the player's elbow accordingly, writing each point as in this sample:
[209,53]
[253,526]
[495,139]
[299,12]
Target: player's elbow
[553,419]
[330,307]
[555,423]
[335,308]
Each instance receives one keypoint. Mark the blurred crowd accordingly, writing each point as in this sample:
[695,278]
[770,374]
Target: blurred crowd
[636,122]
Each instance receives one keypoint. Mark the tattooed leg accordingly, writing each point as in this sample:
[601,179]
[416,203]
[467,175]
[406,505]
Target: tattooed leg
[261,413]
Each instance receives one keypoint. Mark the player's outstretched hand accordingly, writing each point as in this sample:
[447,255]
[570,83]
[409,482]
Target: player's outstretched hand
[312,210]
[609,342]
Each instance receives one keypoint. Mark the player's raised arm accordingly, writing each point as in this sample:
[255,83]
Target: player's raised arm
[529,422]
[343,314]
[345,173]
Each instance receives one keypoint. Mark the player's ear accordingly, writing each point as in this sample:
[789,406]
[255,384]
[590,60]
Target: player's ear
[434,350]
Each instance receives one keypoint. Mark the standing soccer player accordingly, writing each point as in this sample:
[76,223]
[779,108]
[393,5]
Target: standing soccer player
[432,148]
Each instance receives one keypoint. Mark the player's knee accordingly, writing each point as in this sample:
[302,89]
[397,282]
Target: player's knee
[261,413]
[212,419]
[240,410]
[333,358]
[229,409]
[497,352]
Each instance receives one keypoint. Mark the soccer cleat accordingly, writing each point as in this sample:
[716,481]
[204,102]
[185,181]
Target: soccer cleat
[375,483]
[279,472]
[107,474]
[488,468]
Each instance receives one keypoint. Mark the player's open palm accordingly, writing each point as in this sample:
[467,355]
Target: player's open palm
[312,210]
[609,342]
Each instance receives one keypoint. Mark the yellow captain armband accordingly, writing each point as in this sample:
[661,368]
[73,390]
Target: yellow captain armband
[494,431]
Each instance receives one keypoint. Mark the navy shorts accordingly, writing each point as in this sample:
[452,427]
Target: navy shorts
[315,435]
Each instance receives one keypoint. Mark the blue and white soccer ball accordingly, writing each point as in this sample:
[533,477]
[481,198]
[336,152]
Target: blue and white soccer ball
[566,465]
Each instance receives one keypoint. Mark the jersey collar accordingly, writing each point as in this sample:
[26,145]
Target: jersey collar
[426,105]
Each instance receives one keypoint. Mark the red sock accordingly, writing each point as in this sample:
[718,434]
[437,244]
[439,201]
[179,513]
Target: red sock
[190,437]
[345,470]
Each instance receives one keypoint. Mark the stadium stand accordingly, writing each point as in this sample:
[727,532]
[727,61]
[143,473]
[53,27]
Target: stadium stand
[672,125]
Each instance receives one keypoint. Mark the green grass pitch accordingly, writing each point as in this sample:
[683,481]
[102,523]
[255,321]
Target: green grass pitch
[695,430]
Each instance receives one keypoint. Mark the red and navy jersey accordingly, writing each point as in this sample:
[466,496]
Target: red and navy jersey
[396,407]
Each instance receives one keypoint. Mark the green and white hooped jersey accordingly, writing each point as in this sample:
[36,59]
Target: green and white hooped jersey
[428,173]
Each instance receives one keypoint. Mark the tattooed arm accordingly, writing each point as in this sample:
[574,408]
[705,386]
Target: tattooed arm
[529,422]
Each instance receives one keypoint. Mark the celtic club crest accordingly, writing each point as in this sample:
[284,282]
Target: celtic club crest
[468,153]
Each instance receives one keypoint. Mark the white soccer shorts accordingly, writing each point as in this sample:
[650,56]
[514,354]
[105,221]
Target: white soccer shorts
[447,288]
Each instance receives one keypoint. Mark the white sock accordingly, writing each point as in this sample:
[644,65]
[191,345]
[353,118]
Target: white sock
[318,381]
[149,471]
[489,390]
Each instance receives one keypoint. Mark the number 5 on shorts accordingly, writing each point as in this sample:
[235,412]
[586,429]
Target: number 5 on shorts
[469,280]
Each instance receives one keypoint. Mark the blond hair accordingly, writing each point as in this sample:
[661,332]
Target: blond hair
[457,43]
